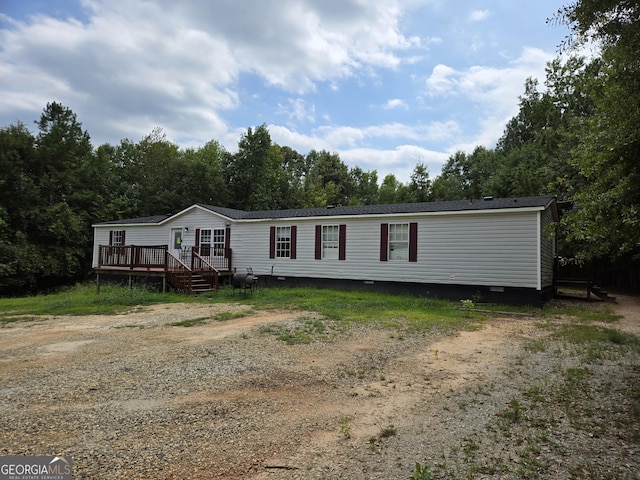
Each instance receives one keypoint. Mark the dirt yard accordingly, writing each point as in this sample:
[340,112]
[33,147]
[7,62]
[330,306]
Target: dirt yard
[135,397]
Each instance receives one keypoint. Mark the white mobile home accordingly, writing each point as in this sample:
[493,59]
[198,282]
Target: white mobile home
[498,249]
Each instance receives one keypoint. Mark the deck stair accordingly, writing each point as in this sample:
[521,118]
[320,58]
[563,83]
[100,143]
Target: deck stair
[195,275]
[576,276]
[200,285]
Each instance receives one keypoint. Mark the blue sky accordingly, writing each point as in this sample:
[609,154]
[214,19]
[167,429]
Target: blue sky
[387,84]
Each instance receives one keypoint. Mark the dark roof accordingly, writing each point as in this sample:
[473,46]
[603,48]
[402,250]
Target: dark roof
[487,203]
[140,220]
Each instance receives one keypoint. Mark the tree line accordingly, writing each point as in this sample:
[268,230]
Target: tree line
[576,138]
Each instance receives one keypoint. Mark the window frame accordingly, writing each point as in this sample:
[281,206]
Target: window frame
[385,242]
[218,241]
[398,239]
[277,242]
[332,244]
[116,238]
[282,242]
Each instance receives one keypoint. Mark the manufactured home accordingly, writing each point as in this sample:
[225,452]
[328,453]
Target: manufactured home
[499,250]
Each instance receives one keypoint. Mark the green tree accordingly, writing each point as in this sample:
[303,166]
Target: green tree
[365,185]
[68,194]
[17,200]
[292,173]
[155,172]
[605,221]
[123,200]
[51,195]
[391,190]
[420,184]
[328,172]
[466,176]
[252,172]
[202,180]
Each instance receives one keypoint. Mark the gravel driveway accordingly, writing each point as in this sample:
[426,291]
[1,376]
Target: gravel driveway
[135,397]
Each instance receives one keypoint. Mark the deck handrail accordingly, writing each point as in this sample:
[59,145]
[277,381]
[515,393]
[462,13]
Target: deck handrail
[219,258]
[178,274]
[132,256]
[204,268]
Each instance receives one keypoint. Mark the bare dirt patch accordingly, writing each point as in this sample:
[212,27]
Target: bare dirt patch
[132,396]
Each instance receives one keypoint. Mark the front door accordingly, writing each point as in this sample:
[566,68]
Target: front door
[176,243]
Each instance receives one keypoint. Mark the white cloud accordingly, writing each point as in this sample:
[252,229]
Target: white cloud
[492,91]
[478,15]
[177,64]
[399,161]
[311,69]
[395,103]
[348,142]
[442,81]
[299,110]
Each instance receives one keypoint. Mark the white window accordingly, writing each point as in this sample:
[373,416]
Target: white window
[218,242]
[283,242]
[330,241]
[399,241]
[117,237]
[205,237]
[205,242]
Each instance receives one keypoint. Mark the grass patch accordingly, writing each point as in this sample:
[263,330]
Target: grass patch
[403,314]
[18,318]
[301,332]
[84,300]
[407,313]
[225,316]
[585,312]
[191,322]
[219,317]
[580,334]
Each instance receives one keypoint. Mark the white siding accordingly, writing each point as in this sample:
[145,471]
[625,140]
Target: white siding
[492,249]
[159,234]
[547,248]
[500,248]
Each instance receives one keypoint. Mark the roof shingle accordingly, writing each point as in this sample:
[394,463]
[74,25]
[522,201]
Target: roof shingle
[488,203]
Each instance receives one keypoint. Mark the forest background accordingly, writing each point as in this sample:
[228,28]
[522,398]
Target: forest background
[576,136]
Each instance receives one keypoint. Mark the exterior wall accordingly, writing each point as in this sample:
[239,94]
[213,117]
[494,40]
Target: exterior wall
[498,250]
[491,249]
[547,248]
[159,234]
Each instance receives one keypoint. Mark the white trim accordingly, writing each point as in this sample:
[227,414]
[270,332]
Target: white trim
[539,248]
[329,218]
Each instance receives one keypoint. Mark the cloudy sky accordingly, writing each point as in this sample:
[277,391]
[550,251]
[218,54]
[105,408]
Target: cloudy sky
[387,84]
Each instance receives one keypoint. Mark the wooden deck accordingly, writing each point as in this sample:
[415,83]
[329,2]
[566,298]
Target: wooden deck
[191,273]
[578,277]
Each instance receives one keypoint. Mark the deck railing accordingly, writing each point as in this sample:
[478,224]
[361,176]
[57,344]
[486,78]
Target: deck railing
[178,274]
[145,260]
[207,271]
[218,258]
[132,256]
